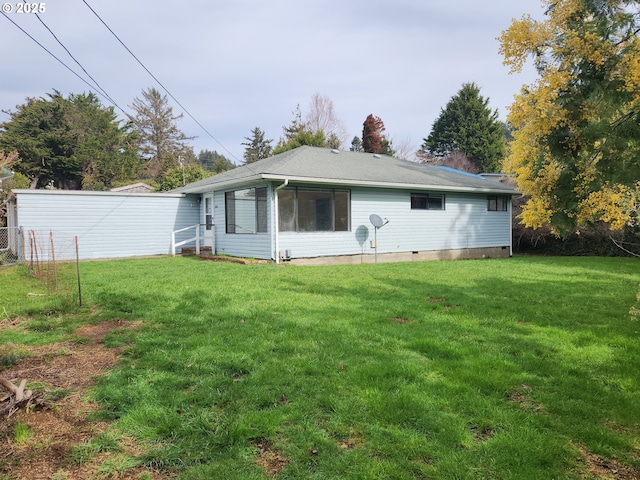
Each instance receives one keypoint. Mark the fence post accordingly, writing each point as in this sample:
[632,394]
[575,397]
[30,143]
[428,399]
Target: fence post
[78,273]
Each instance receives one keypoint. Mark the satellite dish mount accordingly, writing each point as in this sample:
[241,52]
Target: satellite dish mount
[377,222]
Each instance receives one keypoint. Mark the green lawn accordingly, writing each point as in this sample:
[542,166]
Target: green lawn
[489,369]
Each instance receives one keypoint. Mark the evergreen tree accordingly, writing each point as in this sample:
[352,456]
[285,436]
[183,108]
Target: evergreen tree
[373,139]
[162,143]
[70,142]
[297,134]
[257,147]
[468,126]
[356,145]
[214,162]
[372,134]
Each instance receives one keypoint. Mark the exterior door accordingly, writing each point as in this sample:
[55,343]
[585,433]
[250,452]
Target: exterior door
[208,221]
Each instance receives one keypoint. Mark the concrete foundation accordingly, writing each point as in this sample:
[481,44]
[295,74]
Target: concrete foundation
[421,256]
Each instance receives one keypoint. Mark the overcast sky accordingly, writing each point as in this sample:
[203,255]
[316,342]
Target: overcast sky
[239,64]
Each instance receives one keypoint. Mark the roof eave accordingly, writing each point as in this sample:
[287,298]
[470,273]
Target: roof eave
[233,182]
[236,182]
[401,186]
[104,193]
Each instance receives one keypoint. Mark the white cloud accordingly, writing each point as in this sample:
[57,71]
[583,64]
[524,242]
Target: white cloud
[240,64]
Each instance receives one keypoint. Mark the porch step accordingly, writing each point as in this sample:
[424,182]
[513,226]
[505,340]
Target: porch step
[192,250]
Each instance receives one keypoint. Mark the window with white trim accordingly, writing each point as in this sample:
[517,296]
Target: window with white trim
[496,203]
[246,210]
[427,201]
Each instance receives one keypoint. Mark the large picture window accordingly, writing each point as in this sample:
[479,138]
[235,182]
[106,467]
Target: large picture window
[246,210]
[314,210]
[427,201]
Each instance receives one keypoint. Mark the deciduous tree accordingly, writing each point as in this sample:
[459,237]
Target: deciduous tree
[322,117]
[467,125]
[456,159]
[179,176]
[576,148]
[6,175]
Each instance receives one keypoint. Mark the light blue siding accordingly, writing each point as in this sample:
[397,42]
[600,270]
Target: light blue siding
[464,223]
[254,245]
[107,224]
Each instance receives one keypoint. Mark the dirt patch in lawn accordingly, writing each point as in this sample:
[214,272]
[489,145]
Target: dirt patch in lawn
[269,459]
[605,469]
[60,374]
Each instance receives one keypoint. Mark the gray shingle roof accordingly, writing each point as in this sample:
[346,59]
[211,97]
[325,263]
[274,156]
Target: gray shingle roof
[330,167]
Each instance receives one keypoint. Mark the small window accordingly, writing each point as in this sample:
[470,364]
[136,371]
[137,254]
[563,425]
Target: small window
[496,204]
[427,201]
[208,212]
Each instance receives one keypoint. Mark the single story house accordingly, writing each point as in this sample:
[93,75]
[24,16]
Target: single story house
[308,205]
[316,205]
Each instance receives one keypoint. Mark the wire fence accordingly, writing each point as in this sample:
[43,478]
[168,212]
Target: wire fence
[9,245]
[53,266]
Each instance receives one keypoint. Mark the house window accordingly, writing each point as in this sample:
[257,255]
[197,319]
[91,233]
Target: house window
[208,212]
[427,201]
[246,210]
[496,203]
[311,210]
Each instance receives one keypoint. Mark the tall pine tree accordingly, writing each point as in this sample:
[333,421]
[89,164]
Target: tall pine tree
[298,134]
[373,139]
[467,125]
[256,147]
[162,143]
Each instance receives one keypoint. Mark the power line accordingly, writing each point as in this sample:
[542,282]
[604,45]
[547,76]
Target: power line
[77,62]
[54,56]
[158,81]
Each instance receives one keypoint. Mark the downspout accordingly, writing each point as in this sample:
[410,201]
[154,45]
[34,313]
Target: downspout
[277,220]
[510,226]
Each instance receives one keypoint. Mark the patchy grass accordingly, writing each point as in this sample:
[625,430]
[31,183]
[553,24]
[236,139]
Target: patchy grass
[522,368]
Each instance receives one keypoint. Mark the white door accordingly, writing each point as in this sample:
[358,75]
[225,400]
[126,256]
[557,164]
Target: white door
[208,221]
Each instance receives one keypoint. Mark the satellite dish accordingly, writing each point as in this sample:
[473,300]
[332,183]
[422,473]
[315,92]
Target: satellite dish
[376,220]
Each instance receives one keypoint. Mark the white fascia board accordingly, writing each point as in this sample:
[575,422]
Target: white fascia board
[240,182]
[401,186]
[236,182]
[40,191]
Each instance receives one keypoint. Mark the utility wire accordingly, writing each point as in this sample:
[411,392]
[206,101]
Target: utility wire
[158,81]
[54,56]
[78,63]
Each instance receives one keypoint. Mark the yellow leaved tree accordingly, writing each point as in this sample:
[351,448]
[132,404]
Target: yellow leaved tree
[576,147]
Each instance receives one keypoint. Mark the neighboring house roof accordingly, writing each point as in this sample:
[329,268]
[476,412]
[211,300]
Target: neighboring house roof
[316,165]
[140,187]
[5,173]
